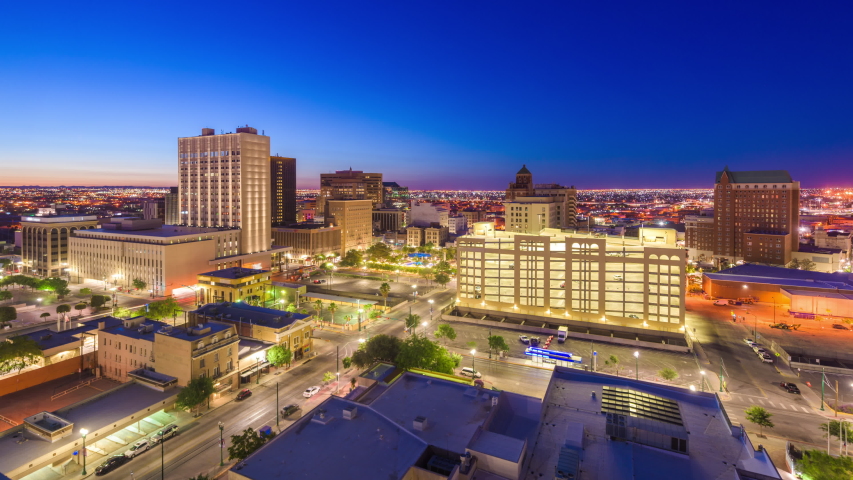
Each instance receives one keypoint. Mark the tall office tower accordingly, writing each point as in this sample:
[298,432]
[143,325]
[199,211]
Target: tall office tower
[565,202]
[350,185]
[283,178]
[154,208]
[225,182]
[355,217]
[173,207]
[756,216]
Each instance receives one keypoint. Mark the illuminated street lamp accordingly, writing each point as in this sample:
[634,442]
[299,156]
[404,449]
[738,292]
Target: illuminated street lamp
[83,433]
[360,311]
[473,352]
[637,363]
[703,379]
[221,444]
[431,301]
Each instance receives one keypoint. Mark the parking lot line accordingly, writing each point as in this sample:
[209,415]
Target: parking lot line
[783,406]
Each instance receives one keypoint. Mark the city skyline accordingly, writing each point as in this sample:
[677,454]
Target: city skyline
[595,96]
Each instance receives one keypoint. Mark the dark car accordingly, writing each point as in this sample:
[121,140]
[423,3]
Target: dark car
[289,410]
[245,393]
[839,326]
[111,464]
[534,341]
[790,387]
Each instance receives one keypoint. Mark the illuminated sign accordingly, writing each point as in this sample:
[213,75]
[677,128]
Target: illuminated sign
[552,354]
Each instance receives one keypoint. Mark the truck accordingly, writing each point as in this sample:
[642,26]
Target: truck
[562,333]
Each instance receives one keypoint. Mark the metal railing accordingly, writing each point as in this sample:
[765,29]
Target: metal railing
[213,346]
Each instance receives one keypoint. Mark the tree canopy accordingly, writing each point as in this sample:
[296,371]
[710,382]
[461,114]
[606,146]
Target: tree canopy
[247,443]
[139,284]
[7,314]
[195,393]
[446,332]
[18,354]
[417,351]
[380,348]
[759,416]
[353,258]
[498,344]
[818,465]
[279,355]
[166,308]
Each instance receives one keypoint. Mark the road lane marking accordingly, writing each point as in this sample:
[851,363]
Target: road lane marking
[761,401]
[806,410]
[783,406]
[774,405]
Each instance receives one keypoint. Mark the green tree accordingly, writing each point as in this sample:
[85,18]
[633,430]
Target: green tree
[19,353]
[442,279]
[426,274]
[246,444]
[457,359]
[838,429]
[168,307]
[80,307]
[85,291]
[200,476]
[44,315]
[99,301]
[333,307]
[328,377]
[379,252]
[346,362]
[412,321]
[139,284]
[279,355]
[380,348]
[195,393]
[5,295]
[759,416]
[819,465]
[62,292]
[668,374]
[7,314]
[290,308]
[613,361]
[443,267]
[417,351]
[61,310]
[793,264]
[122,312]
[384,290]
[353,258]
[806,264]
[4,264]
[498,344]
[318,307]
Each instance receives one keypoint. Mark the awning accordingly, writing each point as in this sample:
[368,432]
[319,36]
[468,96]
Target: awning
[252,370]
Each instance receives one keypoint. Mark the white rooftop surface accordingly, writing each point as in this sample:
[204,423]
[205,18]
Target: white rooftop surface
[453,410]
[713,452]
[369,446]
[92,415]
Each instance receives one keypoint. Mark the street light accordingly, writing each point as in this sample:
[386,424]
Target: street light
[162,455]
[360,311]
[703,379]
[258,367]
[473,352]
[221,428]
[281,304]
[83,433]
[431,301]
[637,363]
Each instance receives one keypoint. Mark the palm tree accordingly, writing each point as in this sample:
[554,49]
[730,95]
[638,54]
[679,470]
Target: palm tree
[318,306]
[384,290]
[333,307]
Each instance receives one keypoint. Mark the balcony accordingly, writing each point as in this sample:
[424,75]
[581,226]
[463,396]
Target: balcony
[213,346]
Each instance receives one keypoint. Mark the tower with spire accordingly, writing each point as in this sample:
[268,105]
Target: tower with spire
[523,185]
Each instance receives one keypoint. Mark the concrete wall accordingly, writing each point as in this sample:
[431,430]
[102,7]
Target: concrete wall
[38,376]
[732,290]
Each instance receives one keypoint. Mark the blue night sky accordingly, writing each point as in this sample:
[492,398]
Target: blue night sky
[434,94]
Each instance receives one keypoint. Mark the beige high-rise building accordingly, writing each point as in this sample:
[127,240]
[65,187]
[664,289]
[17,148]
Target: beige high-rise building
[565,198]
[225,182]
[45,248]
[350,185]
[530,214]
[308,240]
[574,277]
[355,218]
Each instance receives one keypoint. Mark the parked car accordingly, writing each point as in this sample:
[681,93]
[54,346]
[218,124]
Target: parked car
[524,339]
[721,303]
[138,448]
[756,347]
[633,316]
[319,281]
[470,372]
[534,341]
[790,387]
[290,410]
[735,302]
[311,391]
[766,358]
[245,393]
[749,341]
[838,326]
[166,433]
[111,464]
[761,351]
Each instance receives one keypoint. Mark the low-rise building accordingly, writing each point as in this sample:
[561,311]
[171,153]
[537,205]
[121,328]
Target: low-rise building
[835,239]
[417,236]
[308,239]
[457,224]
[233,284]
[389,219]
[45,242]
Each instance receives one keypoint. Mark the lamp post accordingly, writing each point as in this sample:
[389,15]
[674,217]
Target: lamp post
[414,294]
[473,352]
[703,379]
[221,444]
[637,363]
[281,304]
[360,311]
[162,456]
[83,433]
[431,301]
[258,368]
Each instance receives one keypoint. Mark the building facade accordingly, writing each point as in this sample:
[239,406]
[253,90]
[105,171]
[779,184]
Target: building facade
[530,214]
[172,203]
[46,242]
[355,219]
[457,224]
[564,199]
[580,278]
[225,182]
[235,284]
[389,219]
[350,185]
[308,240]
[699,236]
[154,208]
[283,190]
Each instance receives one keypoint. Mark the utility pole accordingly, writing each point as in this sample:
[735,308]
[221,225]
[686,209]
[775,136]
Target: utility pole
[721,375]
[490,347]
[822,383]
[337,357]
[836,398]
[277,416]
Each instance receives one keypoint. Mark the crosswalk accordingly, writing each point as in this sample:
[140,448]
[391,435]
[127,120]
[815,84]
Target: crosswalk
[766,402]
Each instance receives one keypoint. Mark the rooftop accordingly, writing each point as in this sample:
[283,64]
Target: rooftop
[233,273]
[140,331]
[48,339]
[59,218]
[198,332]
[370,446]
[250,346]
[165,231]
[789,277]
[756,176]
[240,311]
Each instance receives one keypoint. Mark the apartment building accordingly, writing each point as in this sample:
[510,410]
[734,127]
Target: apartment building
[530,214]
[291,330]
[699,235]
[154,208]
[164,257]
[389,219]
[457,224]
[416,236]
[355,219]
[578,277]
[308,239]
[172,203]
[350,185]
[225,182]
[283,190]
[564,199]
[234,284]
[45,242]
[184,353]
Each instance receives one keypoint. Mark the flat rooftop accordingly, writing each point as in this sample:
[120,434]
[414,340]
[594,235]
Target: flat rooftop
[370,446]
[48,339]
[59,218]
[166,231]
[233,273]
[791,277]
[148,327]
[94,415]
[190,336]
[234,312]
[714,448]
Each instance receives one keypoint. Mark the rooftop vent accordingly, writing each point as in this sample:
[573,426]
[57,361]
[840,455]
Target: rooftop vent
[207,131]
[46,337]
[350,412]
[321,418]
[420,423]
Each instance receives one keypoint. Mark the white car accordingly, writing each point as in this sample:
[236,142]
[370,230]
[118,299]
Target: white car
[766,358]
[721,303]
[310,392]
[137,448]
[749,341]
